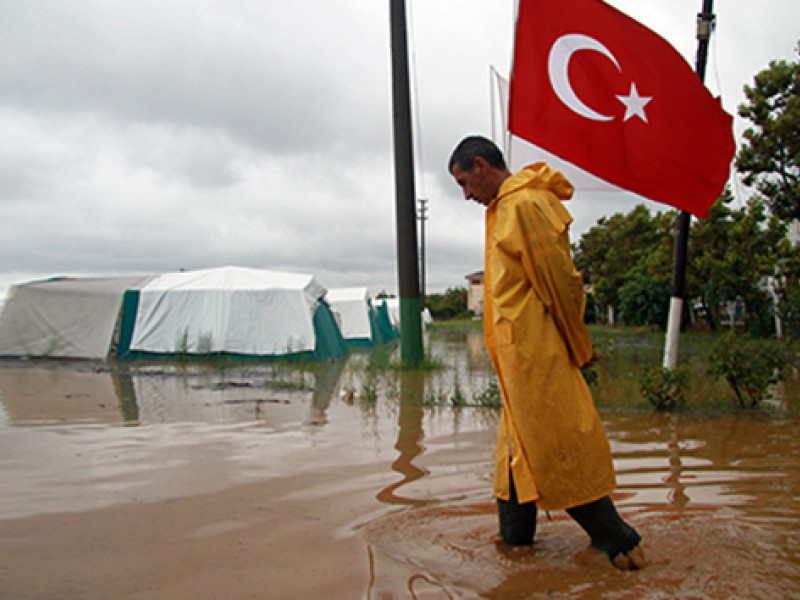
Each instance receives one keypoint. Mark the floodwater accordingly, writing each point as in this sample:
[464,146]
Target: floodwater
[345,480]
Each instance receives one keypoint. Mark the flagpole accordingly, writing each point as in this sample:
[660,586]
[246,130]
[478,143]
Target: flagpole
[507,135]
[492,116]
[405,196]
[705,25]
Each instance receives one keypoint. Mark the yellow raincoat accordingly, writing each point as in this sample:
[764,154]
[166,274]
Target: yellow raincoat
[550,432]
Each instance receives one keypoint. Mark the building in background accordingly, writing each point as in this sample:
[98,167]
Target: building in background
[475,293]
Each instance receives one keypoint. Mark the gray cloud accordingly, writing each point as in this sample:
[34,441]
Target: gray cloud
[154,135]
[272,75]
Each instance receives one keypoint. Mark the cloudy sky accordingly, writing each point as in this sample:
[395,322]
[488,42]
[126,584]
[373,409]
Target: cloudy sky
[149,136]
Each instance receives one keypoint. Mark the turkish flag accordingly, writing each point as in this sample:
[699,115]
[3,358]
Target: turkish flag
[596,88]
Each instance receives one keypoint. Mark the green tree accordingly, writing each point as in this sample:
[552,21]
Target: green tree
[770,155]
[642,299]
[452,303]
[661,258]
[590,313]
[609,251]
[732,253]
[786,285]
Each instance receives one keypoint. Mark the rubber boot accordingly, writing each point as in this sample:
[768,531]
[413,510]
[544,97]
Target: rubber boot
[517,521]
[606,529]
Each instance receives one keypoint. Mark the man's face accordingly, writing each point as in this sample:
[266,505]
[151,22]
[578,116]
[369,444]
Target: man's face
[475,183]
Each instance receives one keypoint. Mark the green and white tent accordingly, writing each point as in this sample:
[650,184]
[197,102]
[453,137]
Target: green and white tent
[355,315]
[229,311]
[64,317]
[393,311]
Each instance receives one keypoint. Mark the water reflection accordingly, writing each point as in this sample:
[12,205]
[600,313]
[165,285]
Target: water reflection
[196,393]
[327,376]
[57,395]
[677,495]
[123,386]
[409,438]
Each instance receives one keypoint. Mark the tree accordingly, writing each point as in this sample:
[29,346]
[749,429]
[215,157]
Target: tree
[453,303]
[786,286]
[732,254]
[589,255]
[609,251]
[770,155]
[642,299]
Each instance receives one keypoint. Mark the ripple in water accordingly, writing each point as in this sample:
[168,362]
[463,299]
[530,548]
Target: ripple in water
[715,501]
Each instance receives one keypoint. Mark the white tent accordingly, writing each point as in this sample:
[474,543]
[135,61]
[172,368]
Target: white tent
[63,317]
[232,310]
[393,306]
[353,310]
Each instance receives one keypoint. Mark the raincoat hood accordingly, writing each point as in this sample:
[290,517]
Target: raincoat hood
[540,176]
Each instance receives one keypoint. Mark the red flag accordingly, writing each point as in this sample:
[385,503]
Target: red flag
[598,89]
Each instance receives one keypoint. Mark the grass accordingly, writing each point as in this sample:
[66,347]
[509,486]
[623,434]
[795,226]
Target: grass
[457,325]
[456,371]
[630,352]
[429,362]
[384,358]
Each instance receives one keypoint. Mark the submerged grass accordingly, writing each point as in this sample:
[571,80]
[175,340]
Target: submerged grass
[458,325]
[630,377]
[632,362]
[455,372]
[384,358]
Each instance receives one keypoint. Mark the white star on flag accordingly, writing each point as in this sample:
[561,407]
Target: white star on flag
[634,104]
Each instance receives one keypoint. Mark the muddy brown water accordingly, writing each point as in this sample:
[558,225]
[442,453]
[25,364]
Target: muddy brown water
[330,482]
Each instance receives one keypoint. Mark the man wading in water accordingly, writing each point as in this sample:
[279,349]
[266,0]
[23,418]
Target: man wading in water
[552,451]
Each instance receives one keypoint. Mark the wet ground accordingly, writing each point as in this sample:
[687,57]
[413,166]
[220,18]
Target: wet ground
[344,481]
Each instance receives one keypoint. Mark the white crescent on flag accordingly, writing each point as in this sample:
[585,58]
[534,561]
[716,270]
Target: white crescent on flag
[558,70]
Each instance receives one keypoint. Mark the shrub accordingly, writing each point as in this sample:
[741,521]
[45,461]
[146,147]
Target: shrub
[749,366]
[489,396]
[665,388]
[590,375]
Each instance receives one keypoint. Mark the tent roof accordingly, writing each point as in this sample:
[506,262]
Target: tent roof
[86,285]
[236,278]
[347,294]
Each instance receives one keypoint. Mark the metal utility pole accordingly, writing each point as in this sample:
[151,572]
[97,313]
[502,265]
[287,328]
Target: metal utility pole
[423,217]
[407,263]
[705,25]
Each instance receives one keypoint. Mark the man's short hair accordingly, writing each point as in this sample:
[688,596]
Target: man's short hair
[472,147]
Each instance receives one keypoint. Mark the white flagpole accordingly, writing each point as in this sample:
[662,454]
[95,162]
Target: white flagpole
[492,101]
